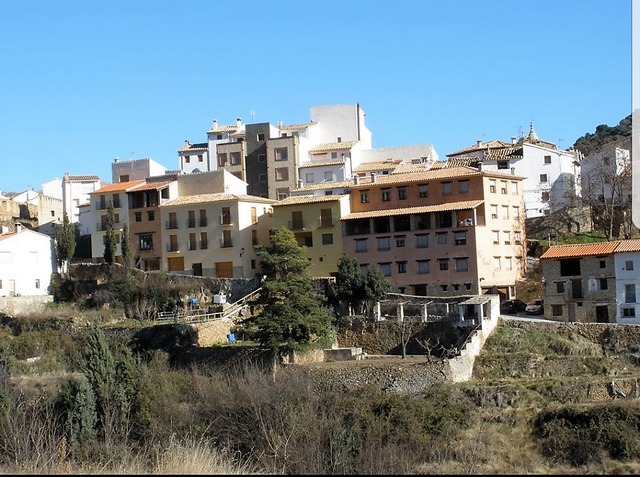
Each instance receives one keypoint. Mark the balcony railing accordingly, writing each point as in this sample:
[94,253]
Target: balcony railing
[225,220]
[171,224]
[172,247]
[203,222]
[295,225]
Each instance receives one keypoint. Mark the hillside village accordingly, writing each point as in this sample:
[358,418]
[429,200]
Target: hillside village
[466,224]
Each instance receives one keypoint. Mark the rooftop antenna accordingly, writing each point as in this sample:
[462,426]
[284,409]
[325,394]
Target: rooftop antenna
[253,114]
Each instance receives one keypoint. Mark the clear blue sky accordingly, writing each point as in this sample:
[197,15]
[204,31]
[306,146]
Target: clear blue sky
[83,82]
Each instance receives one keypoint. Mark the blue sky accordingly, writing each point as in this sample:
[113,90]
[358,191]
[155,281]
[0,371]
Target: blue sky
[84,82]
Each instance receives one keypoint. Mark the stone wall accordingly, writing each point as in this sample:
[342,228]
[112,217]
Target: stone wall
[213,332]
[23,305]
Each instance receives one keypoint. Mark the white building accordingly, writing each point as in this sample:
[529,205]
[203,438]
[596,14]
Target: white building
[75,192]
[551,174]
[627,273]
[135,170]
[27,260]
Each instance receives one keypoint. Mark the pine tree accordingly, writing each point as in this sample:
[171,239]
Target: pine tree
[110,237]
[125,246]
[65,243]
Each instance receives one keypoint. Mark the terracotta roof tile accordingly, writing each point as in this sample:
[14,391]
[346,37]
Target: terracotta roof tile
[216,197]
[629,246]
[309,199]
[321,163]
[325,185]
[462,205]
[377,166]
[580,250]
[333,146]
[118,187]
[150,186]
[419,176]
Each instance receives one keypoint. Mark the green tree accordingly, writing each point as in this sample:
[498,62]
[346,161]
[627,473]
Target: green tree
[376,287]
[125,246]
[292,313]
[65,240]
[77,404]
[110,243]
[350,283]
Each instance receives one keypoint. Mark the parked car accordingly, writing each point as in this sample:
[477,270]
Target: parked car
[512,306]
[536,307]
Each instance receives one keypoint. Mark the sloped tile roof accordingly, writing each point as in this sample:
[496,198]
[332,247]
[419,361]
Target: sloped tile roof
[322,163]
[377,166]
[202,146]
[82,178]
[309,199]
[462,205]
[333,146]
[150,186]
[580,250]
[295,127]
[483,146]
[325,185]
[215,197]
[632,245]
[419,176]
[118,187]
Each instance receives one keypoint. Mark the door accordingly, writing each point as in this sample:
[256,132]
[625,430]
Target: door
[572,312]
[602,314]
[176,264]
[224,269]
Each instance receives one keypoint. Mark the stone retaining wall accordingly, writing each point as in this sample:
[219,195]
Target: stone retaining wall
[23,305]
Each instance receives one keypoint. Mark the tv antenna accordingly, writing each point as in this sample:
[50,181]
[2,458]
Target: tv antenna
[253,114]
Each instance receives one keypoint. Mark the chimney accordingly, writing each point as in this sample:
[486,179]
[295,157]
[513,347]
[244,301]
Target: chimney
[279,124]
[356,180]
[238,122]
[373,177]
[215,124]
[3,229]
[513,171]
[300,183]
[18,227]
[480,166]
[513,139]
[478,142]
[186,142]
[116,160]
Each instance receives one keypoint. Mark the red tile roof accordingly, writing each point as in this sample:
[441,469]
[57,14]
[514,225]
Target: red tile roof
[580,250]
[629,246]
[467,204]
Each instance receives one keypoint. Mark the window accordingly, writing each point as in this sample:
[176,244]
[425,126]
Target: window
[192,241]
[516,212]
[334,155]
[494,211]
[630,293]
[282,193]
[254,237]
[402,267]
[386,269]
[543,178]
[400,240]
[492,186]
[327,239]
[423,266]
[262,158]
[547,159]
[556,310]
[309,179]
[173,221]
[37,283]
[514,188]
[260,137]
[386,195]
[507,263]
[187,159]
[204,241]
[364,196]
[544,196]
[467,286]
[442,238]
[219,137]
[226,239]
[462,264]
[281,153]
[328,176]
[517,237]
[444,287]
[445,219]
[460,237]
[262,177]
[191,220]
[422,240]
[151,215]
[200,158]
[443,263]
[503,164]
[570,266]
[603,264]
[282,174]
[402,193]
[173,243]
[503,187]
[222,159]
[496,263]
[603,284]
[496,237]
[235,158]
[423,191]
[361,245]
[559,287]
[507,237]
[138,216]
[629,312]
[628,265]
[464,186]
[505,211]
[446,188]
[364,268]
[384,244]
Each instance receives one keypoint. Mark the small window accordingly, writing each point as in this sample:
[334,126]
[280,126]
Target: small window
[327,239]
[503,187]
[151,215]
[628,265]
[37,283]
[262,177]
[443,263]
[444,287]
[423,267]
[334,155]
[402,193]
[386,269]
[629,312]
[446,188]
[544,196]
[187,159]
[464,186]
[422,241]
[386,195]
[462,264]
[328,176]
[200,158]
[138,216]
[603,264]
[222,159]
[543,178]
[467,286]
[364,196]
[361,245]
[282,174]
[442,238]
[556,310]
[262,158]
[260,136]
[547,159]
[492,186]
[235,158]
[402,267]
[384,244]
[281,153]
[423,191]
[309,179]
[559,287]
[603,284]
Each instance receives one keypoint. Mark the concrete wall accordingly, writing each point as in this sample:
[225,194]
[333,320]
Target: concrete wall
[23,305]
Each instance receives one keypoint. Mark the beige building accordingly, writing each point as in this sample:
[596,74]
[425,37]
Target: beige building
[315,221]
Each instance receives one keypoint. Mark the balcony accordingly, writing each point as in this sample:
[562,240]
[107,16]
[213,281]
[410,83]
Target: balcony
[172,247]
[171,224]
[295,225]
[225,220]
[203,222]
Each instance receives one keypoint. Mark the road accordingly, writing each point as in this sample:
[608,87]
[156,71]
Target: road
[524,317]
